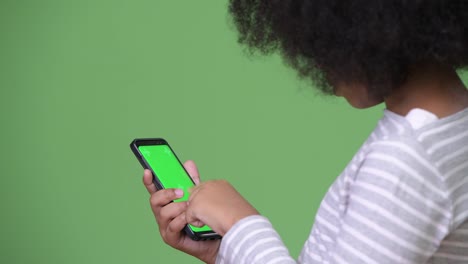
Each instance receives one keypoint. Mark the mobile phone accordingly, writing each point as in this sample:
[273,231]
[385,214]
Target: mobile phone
[156,155]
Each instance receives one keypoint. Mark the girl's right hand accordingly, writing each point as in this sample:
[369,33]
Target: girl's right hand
[171,220]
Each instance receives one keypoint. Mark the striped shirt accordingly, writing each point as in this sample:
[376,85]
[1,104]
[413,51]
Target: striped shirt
[403,198]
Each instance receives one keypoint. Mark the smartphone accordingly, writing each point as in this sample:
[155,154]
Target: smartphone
[156,155]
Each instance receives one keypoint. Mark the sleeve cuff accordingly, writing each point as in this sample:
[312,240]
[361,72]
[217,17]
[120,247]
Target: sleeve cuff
[249,239]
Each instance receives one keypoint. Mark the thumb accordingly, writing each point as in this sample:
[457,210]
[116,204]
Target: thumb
[192,170]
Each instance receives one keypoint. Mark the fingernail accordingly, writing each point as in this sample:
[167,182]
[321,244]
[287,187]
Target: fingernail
[179,193]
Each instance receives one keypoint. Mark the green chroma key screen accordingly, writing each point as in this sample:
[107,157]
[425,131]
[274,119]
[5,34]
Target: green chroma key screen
[170,172]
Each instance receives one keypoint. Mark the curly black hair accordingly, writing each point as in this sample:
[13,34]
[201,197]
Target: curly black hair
[369,42]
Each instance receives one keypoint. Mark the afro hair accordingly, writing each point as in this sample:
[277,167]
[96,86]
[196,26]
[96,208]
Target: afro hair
[373,42]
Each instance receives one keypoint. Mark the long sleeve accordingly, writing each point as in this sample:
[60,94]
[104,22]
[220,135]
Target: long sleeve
[253,240]
[402,199]
[390,207]
[397,208]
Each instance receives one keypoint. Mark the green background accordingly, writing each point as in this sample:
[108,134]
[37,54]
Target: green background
[78,79]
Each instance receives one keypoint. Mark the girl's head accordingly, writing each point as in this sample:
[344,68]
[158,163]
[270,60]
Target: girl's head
[362,50]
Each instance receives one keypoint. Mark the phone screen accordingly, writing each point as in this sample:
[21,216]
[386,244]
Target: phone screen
[169,171]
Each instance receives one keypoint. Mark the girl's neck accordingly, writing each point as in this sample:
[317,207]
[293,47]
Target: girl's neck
[435,89]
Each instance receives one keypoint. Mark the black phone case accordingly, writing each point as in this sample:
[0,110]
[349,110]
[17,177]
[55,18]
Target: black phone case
[206,235]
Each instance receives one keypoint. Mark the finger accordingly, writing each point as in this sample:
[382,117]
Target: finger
[163,197]
[177,224]
[191,217]
[197,223]
[192,170]
[148,182]
[194,191]
[171,211]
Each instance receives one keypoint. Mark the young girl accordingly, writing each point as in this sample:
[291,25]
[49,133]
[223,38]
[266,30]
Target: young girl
[403,198]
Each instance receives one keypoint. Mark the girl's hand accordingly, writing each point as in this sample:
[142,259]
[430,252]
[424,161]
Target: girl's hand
[172,220]
[217,204]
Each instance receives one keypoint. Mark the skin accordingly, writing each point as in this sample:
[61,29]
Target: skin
[171,218]
[436,89]
[433,88]
[217,204]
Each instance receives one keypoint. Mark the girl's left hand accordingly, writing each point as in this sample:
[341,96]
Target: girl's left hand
[218,205]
